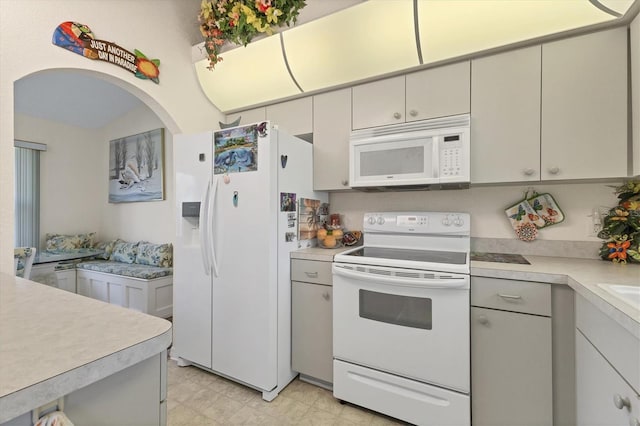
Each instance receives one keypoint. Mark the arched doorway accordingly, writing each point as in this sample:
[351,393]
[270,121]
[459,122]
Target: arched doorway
[51,104]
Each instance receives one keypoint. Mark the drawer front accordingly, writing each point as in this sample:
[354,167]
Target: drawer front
[311,271]
[397,396]
[511,295]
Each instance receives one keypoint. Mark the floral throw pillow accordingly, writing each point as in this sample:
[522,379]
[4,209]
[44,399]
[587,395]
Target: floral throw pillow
[124,252]
[61,242]
[155,254]
[107,246]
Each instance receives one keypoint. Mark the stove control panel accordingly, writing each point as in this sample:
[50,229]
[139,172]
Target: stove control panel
[417,222]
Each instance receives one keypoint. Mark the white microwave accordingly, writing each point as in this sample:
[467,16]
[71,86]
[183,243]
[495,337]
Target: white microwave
[421,154]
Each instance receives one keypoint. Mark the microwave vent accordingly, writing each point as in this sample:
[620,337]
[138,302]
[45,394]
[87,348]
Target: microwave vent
[431,187]
[453,121]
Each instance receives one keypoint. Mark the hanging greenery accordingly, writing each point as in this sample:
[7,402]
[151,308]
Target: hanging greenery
[621,226]
[238,21]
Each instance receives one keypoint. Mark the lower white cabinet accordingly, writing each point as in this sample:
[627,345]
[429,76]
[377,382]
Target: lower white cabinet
[311,323]
[607,369]
[603,397]
[511,353]
[55,275]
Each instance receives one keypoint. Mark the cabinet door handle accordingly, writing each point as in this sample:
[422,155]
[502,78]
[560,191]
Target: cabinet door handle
[397,115]
[482,319]
[509,296]
[311,274]
[554,170]
[528,171]
[325,295]
[413,113]
[344,182]
[620,402]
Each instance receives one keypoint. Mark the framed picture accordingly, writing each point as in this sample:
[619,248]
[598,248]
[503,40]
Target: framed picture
[236,150]
[312,215]
[136,167]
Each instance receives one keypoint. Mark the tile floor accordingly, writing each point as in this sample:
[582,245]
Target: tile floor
[196,397]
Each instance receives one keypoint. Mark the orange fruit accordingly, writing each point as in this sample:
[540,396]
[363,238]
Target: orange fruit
[329,241]
[322,233]
[337,233]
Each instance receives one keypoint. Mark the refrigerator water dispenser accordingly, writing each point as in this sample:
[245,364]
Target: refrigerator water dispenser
[191,209]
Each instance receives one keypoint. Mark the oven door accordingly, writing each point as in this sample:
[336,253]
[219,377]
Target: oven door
[403,321]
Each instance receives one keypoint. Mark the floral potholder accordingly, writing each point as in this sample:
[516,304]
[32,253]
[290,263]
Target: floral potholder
[531,213]
[546,209]
[523,220]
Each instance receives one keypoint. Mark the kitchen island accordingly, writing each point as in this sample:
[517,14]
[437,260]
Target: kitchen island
[107,363]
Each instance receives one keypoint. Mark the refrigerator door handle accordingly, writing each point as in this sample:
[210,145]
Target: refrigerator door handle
[204,233]
[211,219]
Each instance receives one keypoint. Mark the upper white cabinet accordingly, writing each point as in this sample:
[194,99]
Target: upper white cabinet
[505,111]
[331,130]
[435,92]
[551,112]
[584,106]
[438,92]
[293,117]
[379,103]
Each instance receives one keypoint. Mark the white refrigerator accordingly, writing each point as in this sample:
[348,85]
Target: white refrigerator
[237,195]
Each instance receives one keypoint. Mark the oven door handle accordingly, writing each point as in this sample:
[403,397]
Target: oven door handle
[448,283]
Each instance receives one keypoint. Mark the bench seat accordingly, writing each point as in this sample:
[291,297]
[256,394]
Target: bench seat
[143,288]
[126,269]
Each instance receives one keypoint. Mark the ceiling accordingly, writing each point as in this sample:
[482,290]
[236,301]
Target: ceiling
[72,98]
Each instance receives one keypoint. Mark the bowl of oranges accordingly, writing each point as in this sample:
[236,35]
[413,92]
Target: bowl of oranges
[330,238]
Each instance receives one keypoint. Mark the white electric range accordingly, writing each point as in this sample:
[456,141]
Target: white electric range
[401,318]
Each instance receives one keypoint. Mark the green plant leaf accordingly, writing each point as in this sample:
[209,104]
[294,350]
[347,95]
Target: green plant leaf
[139,54]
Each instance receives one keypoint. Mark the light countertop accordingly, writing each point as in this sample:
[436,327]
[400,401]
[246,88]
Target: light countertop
[53,342]
[582,275]
[317,253]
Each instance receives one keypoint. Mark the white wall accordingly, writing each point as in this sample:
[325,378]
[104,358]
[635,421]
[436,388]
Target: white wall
[74,183]
[154,27]
[486,205]
[152,221]
[71,194]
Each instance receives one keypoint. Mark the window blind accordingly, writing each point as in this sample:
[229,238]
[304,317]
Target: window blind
[27,193]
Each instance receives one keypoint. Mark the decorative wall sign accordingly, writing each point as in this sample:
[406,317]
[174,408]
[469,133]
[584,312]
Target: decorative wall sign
[79,39]
[136,167]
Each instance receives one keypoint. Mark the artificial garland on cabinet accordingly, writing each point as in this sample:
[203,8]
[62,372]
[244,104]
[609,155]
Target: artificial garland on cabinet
[621,226]
[238,21]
